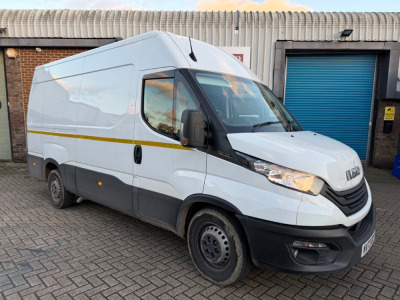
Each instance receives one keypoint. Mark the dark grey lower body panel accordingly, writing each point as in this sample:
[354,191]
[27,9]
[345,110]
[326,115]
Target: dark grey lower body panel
[109,191]
[35,166]
[68,174]
[158,208]
[106,190]
[112,192]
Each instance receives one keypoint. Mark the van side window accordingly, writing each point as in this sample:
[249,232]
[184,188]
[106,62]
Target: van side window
[158,104]
[185,99]
[164,101]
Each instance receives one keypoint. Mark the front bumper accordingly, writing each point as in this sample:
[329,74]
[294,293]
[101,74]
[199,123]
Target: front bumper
[271,245]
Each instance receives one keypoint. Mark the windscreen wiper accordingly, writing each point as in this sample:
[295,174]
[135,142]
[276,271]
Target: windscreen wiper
[256,126]
[289,126]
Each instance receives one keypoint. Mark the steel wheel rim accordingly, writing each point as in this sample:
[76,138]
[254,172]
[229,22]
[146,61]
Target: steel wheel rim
[55,189]
[215,246]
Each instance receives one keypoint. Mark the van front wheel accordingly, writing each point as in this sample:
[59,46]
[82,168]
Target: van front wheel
[59,196]
[218,246]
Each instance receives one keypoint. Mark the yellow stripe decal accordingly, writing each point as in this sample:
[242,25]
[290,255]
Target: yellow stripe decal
[162,145]
[52,133]
[103,139]
[112,140]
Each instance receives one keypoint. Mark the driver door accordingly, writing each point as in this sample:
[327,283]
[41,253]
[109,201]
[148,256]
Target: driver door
[166,173]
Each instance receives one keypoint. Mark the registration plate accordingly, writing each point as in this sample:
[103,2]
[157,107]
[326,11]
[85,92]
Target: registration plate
[368,244]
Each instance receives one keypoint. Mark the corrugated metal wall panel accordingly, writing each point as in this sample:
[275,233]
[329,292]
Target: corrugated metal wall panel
[258,30]
[331,95]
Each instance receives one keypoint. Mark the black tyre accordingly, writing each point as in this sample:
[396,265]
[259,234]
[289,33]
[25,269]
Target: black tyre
[59,196]
[218,247]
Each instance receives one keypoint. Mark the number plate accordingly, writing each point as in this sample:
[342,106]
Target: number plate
[368,244]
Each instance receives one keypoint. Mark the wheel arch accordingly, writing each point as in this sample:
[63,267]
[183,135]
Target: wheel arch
[48,166]
[195,203]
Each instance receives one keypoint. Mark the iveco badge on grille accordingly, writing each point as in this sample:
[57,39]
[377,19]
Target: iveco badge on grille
[354,172]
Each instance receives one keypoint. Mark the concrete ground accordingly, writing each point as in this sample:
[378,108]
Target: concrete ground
[92,252]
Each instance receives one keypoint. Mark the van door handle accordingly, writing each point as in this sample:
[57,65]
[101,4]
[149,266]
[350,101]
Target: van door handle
[137,154]
[0,104]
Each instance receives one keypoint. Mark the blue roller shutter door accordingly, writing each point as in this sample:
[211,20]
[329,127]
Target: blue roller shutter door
[332,94]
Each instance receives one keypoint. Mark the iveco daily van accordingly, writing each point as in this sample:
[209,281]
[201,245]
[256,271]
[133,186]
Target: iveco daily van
[180,134]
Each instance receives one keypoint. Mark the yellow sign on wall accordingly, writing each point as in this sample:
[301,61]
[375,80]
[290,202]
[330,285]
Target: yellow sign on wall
[389,113]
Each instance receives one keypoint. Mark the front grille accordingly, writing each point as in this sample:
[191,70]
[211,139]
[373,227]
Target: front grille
[349,201]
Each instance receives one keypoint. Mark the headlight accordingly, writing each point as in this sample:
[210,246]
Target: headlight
[304,182]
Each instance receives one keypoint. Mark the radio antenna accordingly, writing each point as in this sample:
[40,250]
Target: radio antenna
[192,56]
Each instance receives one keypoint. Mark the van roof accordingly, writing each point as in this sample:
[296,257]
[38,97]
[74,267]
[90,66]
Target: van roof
[176,49]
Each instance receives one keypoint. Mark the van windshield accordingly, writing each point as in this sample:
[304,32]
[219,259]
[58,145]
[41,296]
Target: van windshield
[244,105]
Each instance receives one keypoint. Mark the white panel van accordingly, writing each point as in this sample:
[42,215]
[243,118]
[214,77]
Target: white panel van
[180,134]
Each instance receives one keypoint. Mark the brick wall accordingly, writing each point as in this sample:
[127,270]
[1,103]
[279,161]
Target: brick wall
[385,147]
[19,73]
[16,108]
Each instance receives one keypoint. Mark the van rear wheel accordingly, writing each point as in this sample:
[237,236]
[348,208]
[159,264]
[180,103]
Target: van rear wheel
[59,196]
[217,245]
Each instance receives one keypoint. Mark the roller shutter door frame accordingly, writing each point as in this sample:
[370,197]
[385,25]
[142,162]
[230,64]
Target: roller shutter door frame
[5,142]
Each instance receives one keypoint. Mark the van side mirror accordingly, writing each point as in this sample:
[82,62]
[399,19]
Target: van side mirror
[192,129]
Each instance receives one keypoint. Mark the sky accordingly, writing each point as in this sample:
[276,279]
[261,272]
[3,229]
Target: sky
[212,5]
